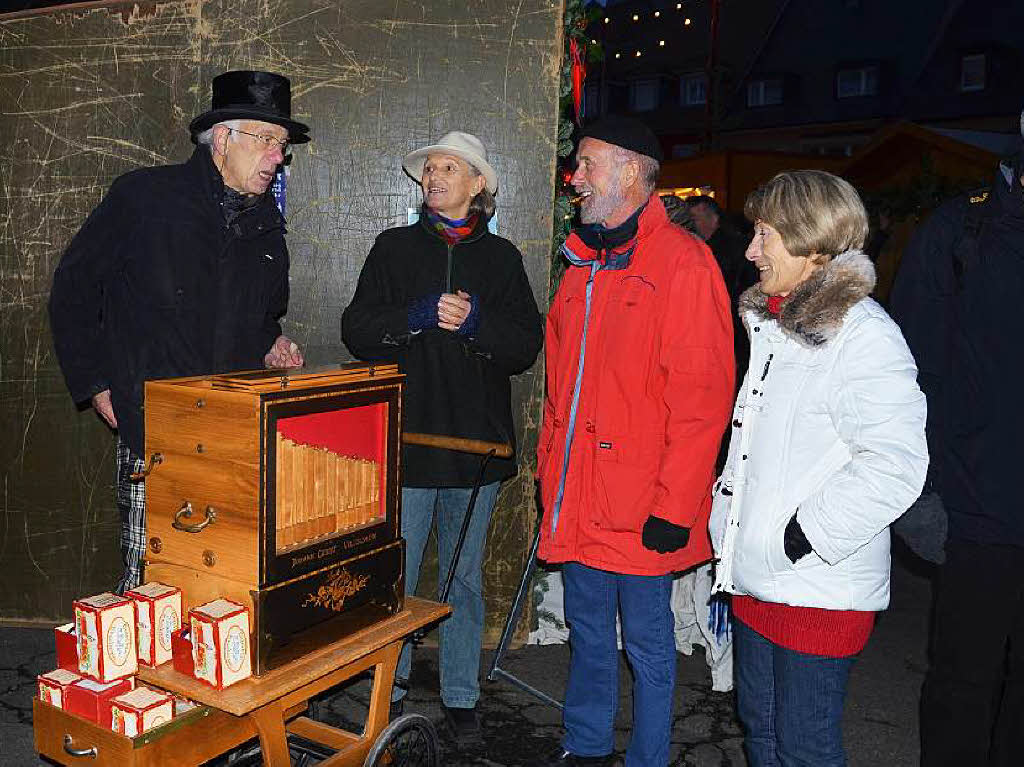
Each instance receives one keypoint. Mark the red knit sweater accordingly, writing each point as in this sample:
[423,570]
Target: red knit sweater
[811,630]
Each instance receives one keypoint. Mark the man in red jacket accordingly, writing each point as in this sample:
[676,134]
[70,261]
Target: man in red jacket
[639,385]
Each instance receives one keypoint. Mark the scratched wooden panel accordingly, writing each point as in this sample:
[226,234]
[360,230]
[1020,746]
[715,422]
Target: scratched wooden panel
[89,94]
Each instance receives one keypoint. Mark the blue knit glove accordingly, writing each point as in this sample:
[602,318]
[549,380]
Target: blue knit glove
[423,313]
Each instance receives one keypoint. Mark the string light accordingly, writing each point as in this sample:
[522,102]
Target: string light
[679,6]
[657,14]
[638,54]
[686,22]
[593,41]
[606,19]
[661,43]
[636,17]
[618,55]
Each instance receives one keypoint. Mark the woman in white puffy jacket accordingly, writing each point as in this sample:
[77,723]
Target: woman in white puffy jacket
[827,450]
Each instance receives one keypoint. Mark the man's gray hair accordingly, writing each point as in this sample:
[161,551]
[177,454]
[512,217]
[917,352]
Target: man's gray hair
[650,168]
[206,137]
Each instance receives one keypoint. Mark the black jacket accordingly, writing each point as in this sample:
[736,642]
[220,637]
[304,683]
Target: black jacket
[456,386]
[962,332]
[155,284]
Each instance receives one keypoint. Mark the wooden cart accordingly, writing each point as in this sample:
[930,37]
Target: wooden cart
[269,707]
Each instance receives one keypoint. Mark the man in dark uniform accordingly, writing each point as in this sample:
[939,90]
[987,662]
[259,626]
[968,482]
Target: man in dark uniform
[956,298]
[180,270]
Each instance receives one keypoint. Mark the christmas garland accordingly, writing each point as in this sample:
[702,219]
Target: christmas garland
[577,50]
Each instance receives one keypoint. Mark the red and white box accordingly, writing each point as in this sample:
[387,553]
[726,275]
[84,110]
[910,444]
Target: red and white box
[220,642]
[53,686]
[105,625]
[67,647]
[158,615]
[91,700]
[141,709]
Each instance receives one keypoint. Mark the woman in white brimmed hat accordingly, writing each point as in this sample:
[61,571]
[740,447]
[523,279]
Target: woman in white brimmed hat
[450,302]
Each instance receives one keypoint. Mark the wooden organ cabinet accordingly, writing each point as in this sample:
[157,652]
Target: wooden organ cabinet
[279,490]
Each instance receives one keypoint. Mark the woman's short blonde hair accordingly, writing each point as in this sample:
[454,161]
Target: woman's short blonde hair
[814,212]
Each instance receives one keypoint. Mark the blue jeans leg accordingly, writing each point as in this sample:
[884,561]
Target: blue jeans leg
[460,633]
[417,517]
[592,692]
[805,724]
[649,640]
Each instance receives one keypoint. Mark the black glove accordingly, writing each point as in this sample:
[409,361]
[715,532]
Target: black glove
[795,542]
[663,537]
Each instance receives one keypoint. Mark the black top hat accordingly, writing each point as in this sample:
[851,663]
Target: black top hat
[248,95]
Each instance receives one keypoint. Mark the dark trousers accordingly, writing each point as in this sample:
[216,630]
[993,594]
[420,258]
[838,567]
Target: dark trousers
[972,703]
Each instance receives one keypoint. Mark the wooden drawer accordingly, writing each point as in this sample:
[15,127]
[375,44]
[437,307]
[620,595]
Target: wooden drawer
[191,739]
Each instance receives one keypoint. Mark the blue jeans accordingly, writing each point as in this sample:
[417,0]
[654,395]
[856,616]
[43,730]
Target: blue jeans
[790,703]
[592,600]
[461,632]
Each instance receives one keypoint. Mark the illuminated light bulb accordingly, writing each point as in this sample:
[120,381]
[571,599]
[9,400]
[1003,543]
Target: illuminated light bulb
[657,14]
[661,43]
[638,54]
[686,22]
[618,55]
[606,19]
[636,17]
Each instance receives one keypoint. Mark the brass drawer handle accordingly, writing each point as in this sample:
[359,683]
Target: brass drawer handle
[185,512]
[91,751]
[154,459]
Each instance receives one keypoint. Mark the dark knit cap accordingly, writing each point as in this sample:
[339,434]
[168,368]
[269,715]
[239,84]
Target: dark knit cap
[625,132]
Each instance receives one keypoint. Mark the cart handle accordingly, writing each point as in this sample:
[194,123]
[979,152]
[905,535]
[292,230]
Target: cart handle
[477,446]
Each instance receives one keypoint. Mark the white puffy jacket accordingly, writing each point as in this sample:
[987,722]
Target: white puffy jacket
[829,425]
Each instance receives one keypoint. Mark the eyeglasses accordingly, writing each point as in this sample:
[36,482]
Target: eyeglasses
[269,142]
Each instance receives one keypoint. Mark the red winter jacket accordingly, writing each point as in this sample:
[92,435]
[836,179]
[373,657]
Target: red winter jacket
[656,392]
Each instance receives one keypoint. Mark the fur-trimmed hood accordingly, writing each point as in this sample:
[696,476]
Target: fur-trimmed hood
[814,312]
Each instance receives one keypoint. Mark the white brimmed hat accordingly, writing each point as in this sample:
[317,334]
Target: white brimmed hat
[465,146]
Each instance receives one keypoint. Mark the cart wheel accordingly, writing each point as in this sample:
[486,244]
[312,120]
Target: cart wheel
[409,741]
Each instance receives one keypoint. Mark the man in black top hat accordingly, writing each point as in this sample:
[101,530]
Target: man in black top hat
[180,270]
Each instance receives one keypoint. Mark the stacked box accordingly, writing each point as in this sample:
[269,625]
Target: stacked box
[220,642]
[67,647]
[53,686]
[141,709]
[91,700]
[105,625]
[158,615]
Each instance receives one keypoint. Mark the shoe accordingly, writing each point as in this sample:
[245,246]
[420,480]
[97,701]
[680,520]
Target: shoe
[463,724]
[563,758]
[396,709]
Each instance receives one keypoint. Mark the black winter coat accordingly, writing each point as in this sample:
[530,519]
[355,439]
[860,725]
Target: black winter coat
[455,386]
[962,334]
[155,284]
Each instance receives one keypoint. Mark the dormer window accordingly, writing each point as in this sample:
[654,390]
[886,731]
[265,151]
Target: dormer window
[857,81]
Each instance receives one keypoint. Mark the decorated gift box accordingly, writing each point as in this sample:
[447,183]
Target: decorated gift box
[105,626]
[220,642]
[53,686]
[144,708]
[158,615]
[67,647]
[91,700]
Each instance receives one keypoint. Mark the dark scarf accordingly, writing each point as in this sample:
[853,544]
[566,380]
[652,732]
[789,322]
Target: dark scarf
[235,203]
[614,246]
[452,230]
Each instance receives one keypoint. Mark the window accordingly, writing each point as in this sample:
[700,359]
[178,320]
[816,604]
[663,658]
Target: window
[643,95]
[857,81]
[972,72]
[763,93]
[693,90]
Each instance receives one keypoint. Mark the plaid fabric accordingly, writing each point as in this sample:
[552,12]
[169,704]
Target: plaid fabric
[131,502]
